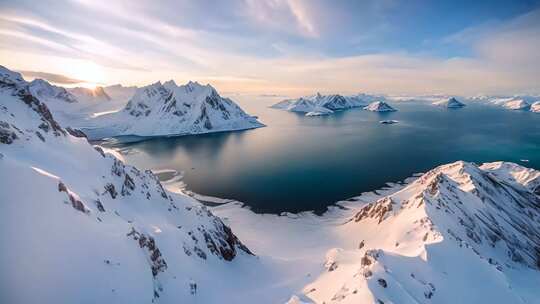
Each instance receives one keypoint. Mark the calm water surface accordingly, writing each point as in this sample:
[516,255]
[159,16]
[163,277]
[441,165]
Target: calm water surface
[300,163]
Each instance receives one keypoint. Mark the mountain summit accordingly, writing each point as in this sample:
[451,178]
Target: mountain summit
[460,233]
[168,109]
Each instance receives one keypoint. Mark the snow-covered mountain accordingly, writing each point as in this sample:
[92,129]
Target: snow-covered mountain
[88,95]
[451,103]
[318,104]
[517,104]
[120,92]
[50,93]
[535,107]
[78,225]
[168,109]
[379,106]
[460,233]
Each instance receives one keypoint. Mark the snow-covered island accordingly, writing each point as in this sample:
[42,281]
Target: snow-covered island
[388,122]
[379,106]
[318,104]
[451,103]
[168,109]
[517,104]
[535,107]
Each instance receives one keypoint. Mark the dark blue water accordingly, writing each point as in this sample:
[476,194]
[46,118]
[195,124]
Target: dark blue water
[302,163]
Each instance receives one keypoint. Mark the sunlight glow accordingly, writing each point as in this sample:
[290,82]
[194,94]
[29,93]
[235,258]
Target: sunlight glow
[88,71]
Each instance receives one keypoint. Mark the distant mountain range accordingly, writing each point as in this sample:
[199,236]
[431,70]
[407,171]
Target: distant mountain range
[318,104]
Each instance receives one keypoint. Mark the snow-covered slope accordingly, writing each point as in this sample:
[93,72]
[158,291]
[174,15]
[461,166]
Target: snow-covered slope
[458,234]
[88,95]
[379,106]
[168,109]
[517,104]
[318,104]
[79,226]
[451,103]
[535,107]
[50,93]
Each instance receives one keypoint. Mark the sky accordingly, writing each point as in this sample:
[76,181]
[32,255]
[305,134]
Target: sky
[291,47]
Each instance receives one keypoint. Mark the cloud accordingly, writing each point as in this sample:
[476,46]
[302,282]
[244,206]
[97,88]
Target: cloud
[291,16]
[56,78]
[282,46]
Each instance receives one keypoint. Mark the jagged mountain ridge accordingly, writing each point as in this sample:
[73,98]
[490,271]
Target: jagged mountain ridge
[102,230]
[432,241]
[168,109]
[49,92]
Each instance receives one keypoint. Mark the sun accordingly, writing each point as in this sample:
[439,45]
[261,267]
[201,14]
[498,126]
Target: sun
[90,73]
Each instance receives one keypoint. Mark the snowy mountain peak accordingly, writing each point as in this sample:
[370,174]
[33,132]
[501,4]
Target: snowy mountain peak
[517,104]
[379,106]
[461,203]
[13,87]
[9,76]
[170,84]
[50,93]
[427,241]
[452,102]
[169,109]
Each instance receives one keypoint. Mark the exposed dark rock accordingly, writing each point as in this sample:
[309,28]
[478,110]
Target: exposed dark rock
[48,121]
[7,134]
[333,266]
[38,134]
[100,150]
[128,185]
[99,205]
[75,203]
[76,132]
[361,245]
[378,210]
[111,189]
[157,263]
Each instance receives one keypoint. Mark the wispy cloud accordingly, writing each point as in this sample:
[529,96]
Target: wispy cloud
[56,78]
[286,46]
